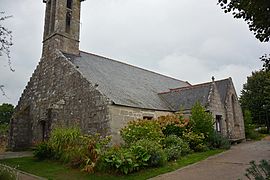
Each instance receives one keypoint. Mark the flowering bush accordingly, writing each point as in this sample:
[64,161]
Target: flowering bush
[141,129]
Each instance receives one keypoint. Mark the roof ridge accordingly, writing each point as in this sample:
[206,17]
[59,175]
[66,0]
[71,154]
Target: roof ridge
[192,86]
[134,66]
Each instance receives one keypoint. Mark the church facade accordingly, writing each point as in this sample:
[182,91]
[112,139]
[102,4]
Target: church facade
[70,87]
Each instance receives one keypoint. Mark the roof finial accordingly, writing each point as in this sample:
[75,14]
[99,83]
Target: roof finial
[213,78]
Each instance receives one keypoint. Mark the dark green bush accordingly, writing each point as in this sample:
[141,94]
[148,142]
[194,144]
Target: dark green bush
[201,121]
[173,130]
[43,151]
[262,130]
[217,141]
[175,147]
[154,149]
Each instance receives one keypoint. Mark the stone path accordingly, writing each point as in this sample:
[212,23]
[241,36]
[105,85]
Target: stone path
[8,155]
[228,165]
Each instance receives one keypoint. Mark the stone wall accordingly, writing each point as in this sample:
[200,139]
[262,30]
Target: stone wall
[121,115]
[57,95]
[234,115]
[216,107]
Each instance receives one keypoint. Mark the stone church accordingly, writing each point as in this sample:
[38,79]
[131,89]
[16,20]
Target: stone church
[100,95]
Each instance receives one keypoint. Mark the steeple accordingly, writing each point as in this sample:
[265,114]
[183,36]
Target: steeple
[62,26]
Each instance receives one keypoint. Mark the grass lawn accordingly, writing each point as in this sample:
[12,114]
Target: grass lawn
[55,170]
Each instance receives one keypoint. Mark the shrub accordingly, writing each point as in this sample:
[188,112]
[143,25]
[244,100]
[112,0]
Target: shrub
[195,141]
[216,140]
[201,121]
[70,146]
[7,173]
[141,129]
[258,172]
[175,147]
[141,154]
[263,130]
[172,124]
[154,149]
[63,142]
[119,160]
[43,151]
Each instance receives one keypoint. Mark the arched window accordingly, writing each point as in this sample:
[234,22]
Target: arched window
[53,9]
[69,4]
[68,21]
[233,101]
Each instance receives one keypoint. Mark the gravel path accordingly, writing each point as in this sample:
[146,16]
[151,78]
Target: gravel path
[228,165]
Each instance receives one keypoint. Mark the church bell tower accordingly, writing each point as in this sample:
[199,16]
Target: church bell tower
[62,26]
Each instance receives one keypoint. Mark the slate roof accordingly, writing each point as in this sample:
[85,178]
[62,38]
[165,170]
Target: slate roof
[125,84]
[186,97]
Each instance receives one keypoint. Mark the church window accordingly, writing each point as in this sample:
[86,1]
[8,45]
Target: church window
[69,4]
[68,21]
[53,9]
[218,123]
[48,14]
[148,117]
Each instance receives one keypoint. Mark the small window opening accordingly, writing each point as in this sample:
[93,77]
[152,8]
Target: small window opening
[48,14]
[43,129]
[218,123]
[68,22]
[53,15]
[69,4]
[148,117]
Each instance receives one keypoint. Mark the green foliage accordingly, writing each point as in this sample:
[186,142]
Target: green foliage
[141,155]
[217,141]
[266,62]
[258,172]
[263,130]
[120,160]
[141,129]
[7,173]
[154,149]
[195,141]
[173,130]
[63,142]
[201,121]
[254,12]
[255,97]
[3,129]
[43,151]
[70,146]
[175,147]
[6,111]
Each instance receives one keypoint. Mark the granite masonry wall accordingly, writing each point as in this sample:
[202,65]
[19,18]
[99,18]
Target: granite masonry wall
[121,115]
[234,115]
[57,95]
[216,107]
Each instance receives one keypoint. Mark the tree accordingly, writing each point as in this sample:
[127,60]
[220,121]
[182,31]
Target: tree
[201,121]
[266,62]
[255,97]
[255,12]
[5,44]
[5,38]
[6,111]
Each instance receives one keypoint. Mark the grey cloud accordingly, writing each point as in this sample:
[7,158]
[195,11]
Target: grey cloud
[185,39]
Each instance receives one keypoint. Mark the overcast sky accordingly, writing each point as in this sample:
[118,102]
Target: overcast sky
[185,39]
